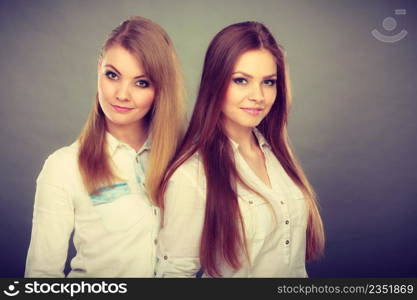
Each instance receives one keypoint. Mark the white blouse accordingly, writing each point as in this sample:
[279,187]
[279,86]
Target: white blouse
[114,233]
[276,248]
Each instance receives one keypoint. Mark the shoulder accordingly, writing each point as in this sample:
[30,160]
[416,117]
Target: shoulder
[61,163]
[187,185]
[63,157]
[189,179]
[191,170]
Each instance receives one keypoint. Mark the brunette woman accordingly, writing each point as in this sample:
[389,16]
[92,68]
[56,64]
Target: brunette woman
[101,187]
[235,201]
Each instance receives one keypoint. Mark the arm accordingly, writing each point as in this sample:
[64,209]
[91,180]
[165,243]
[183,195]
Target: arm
[53,222]
[179,239]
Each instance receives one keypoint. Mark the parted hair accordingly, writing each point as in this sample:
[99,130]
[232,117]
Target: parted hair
[223,237]
[151,45]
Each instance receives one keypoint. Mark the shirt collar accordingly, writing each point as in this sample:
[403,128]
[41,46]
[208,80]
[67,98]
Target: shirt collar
[113,144]
[261,140]
[235,145]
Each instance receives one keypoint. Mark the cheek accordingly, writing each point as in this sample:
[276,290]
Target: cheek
[105,89]
[144,98]
[233,98]
[270,96]
[270,103]
[234,94]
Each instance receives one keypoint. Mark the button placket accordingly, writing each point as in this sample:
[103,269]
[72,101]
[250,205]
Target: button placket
[267,166]
[286,218]
[156,230]
[138,171]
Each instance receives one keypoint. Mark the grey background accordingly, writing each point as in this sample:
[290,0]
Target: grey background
[352,123]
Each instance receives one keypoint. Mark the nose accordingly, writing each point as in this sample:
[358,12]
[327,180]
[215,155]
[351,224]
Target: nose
[122,93]
[257,93]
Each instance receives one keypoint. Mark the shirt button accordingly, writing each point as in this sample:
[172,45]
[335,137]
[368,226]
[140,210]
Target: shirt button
[155,241]
[282,202]
[154,211]
[251,202]
[287,222]
[154,273]
[165,257]
[287,242]
[137,159]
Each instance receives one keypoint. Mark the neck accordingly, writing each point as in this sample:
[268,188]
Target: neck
[133,134]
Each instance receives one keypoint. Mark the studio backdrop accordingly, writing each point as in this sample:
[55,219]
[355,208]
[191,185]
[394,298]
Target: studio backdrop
[352,124]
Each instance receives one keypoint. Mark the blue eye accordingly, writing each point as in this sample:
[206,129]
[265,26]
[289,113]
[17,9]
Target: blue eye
[270,82]
[111,75]
[143,83]
[240,80]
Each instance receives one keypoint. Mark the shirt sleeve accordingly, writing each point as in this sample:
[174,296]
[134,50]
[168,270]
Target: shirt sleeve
[52,223]
[179,239]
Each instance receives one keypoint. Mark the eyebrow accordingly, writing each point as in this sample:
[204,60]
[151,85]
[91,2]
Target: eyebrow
[118,72]
[250,76]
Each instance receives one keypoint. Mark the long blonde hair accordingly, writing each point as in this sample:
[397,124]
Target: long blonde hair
[151,45]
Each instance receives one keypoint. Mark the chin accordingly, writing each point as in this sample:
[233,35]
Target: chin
[122,122]
[243,122]
[251,123]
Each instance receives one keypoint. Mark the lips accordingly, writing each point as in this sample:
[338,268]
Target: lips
[121,109]
[252,111]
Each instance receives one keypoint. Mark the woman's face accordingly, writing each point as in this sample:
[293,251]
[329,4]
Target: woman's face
[125,92]
[251,91]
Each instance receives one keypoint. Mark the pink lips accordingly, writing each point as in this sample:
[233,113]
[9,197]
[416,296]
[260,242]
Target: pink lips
[121,109]
[252,111]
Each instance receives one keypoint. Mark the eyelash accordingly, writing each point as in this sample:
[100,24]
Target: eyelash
[241,80]
[111,75]
[271,82]
[145,82]
[140,83]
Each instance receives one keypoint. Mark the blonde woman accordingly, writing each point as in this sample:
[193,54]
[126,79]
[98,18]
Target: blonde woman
[101,187]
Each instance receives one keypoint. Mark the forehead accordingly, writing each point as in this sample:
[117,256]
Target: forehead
[124,61]
[259,62]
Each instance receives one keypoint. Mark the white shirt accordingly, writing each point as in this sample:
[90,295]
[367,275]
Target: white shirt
[114,233]
[275,249]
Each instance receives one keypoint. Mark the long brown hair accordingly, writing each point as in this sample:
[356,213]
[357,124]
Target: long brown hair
[221,236]
[151,45]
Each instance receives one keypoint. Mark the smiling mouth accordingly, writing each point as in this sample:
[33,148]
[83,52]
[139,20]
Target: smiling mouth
[121,108]
[252,111]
